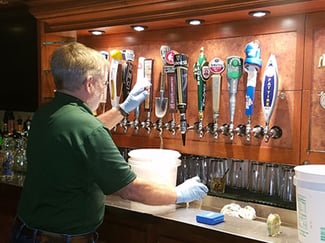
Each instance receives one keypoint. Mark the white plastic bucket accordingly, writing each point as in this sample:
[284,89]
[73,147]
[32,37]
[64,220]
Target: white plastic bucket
[159,166]
[310,197]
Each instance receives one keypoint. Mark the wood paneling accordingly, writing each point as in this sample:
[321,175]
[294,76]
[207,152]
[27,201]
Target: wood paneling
[223,40]
[313,115]
[220,40]
[282,35]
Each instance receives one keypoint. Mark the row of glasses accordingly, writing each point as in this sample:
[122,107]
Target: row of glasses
[258,177]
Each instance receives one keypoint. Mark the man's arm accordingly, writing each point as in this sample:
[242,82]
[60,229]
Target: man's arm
[148,192]
[111,118]
[151,193]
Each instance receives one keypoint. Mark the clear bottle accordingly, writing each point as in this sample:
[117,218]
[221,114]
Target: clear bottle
[11,123]
[8,152]
[19,159]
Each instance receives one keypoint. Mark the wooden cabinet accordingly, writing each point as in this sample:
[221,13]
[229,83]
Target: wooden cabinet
[8,206]
[126,226]
[122,226]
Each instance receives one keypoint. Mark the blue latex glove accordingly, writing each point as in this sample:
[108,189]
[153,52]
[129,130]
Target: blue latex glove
[190,190]
[136,96]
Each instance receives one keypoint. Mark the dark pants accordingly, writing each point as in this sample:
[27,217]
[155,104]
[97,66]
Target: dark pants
[21,233]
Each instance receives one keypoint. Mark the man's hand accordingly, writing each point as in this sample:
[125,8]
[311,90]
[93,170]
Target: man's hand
[136,96]
[190,190]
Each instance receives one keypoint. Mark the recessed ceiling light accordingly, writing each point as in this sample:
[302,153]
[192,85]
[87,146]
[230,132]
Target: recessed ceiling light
[259,13]
[194,21]
[139,27]
[96,32]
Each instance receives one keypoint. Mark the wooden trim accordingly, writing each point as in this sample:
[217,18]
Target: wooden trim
[59,15]
[212,148]
[313,22]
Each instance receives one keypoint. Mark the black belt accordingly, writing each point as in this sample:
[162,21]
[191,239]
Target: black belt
[49,237]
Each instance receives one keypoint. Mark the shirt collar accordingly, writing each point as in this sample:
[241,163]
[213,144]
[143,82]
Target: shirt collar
[66,98]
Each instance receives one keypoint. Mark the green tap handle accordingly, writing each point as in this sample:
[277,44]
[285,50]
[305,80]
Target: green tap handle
[234,71]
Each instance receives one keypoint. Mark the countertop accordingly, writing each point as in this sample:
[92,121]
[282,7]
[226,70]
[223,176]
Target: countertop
[245,228]
[186,213]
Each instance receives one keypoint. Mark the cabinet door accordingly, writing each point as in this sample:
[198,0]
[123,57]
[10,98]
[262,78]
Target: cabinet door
[173,232]
[8,205]
[313,114]
[49,42]
[124,226]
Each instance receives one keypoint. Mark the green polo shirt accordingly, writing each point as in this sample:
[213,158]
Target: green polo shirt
[72,164]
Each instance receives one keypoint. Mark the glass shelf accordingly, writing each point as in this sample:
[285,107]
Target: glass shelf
[247,196]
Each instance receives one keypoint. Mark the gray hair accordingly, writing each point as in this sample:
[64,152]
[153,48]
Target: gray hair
[72,63]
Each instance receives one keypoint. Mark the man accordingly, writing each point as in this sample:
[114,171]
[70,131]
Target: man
[72,160]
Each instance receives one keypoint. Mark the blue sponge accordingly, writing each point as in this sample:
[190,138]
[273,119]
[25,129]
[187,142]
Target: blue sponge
[209,217]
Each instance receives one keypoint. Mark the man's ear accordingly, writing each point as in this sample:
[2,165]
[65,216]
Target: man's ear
[89,84]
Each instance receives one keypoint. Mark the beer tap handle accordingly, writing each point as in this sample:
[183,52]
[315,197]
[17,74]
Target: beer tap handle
[181,70]
[269,90]
[148,74]
[234,70]
[216,67]
[169,69]
[201,74]
[127,69]
[115,77]
[140,78]
[252,65]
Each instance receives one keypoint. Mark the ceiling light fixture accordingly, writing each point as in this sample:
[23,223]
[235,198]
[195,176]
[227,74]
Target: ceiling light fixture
[194,21]
[139,27]
[96,32]
[259,13]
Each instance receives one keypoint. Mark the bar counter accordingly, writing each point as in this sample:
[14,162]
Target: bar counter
[248,230]
[127,221]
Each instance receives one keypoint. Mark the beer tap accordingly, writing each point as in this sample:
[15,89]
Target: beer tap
[224,129]
[115,78]
[258,131]
[201,74]
[216,66]
[136,123]
[169,69]
[161,103]
[140,76]
[115,82]
[269,95]
[148,74]
[275,132]
[234,70]
[127,70]
[240,130]
[252,65]
[172,89]
[181,69]
[103,99]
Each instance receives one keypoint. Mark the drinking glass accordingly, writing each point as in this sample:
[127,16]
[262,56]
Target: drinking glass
[237,173]
[217,181]
[271,179]
[257,177]
[288,188]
